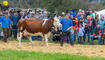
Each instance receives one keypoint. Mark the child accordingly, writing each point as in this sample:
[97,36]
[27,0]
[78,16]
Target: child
[81,33]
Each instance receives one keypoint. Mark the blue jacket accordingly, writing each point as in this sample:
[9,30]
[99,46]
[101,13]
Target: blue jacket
[73,12]
[66,24]
[101,23]
[5,21]
[15,20]
[79,17]
[18,17]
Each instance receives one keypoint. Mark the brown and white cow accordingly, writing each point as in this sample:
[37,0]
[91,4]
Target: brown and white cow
[36,27]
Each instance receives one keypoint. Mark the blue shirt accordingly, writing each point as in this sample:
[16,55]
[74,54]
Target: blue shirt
[66,24]
[101,23]
[37,16]
[28,16]
[91,14]
[5,21]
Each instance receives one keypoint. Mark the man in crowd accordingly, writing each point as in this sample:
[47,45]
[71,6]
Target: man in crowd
[6,24]
[14,20]
[66,24]
[101,22]
[73,12]
[96,34]
[37,15]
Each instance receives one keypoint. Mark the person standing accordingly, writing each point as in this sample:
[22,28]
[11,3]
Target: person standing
[37,15]
[66,25]
[73,35]
[101,22]
[45,16]
[81,33]
[14,19]
[96,34]
[6,24]
[73,12]
[88,25]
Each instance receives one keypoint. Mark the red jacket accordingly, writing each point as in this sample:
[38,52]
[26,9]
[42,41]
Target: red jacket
[97,31]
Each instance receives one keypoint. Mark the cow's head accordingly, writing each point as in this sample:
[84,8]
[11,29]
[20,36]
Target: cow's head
[56,22]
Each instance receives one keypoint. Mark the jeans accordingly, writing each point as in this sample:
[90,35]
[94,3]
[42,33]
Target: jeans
[78,38]
[15,31]
[69,38]
[35,37]
[91,30]
[102,30]
[39,37]
[99,39]
[6,34]
[81,39]
[88,33]
[73,38]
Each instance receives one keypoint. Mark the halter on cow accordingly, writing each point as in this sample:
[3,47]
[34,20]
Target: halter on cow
[36,27]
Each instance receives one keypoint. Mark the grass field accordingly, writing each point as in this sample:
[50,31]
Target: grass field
[25,55]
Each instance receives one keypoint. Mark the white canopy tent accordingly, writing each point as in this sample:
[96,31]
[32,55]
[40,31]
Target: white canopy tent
[102,12]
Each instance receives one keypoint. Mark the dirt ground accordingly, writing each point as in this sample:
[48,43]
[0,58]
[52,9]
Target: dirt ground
[84,50]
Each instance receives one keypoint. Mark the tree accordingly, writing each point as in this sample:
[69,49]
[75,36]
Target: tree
[58,5]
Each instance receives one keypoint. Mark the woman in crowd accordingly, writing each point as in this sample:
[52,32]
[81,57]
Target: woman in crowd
[88,24]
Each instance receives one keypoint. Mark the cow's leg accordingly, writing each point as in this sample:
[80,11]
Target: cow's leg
[29,37]
[43,38]
[19,36]
[46,39]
